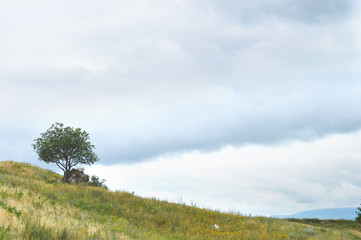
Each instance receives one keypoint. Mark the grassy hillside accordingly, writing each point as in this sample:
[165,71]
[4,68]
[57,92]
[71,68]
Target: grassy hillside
[33,205]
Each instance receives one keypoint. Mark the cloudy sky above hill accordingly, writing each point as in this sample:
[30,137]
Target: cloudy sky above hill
[247,105]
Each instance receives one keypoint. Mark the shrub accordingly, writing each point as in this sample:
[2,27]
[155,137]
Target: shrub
[358,212]
[94,181]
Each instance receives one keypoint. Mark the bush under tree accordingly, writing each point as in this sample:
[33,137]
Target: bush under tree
[96,182]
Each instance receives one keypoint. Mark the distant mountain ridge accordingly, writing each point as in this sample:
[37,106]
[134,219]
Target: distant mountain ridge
[328,213]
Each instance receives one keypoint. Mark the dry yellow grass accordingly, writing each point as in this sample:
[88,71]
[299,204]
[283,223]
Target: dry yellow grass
[33,205]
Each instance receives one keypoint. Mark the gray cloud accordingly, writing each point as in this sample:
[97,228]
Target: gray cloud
[306,11]
[313,115]
[189,75]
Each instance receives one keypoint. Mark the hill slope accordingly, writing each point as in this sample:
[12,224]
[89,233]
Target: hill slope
[33,205]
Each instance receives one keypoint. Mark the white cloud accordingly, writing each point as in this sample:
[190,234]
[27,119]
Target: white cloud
[252,179]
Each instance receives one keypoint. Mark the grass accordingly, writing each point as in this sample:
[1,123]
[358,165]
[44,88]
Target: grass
[33,205]
[338,224]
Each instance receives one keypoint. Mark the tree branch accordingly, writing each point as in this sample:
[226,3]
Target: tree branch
[60,166]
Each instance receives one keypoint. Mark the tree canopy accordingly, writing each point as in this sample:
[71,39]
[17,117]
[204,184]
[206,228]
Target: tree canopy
[65,146]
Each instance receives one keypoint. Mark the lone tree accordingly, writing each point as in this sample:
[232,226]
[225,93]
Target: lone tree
[67,147]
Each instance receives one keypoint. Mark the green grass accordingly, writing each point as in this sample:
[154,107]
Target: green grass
[330,223]
[33,205]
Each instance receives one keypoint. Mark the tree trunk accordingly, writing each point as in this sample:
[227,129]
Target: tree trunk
[66,176]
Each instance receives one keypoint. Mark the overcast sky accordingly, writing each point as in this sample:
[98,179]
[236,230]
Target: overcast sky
[246,105]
